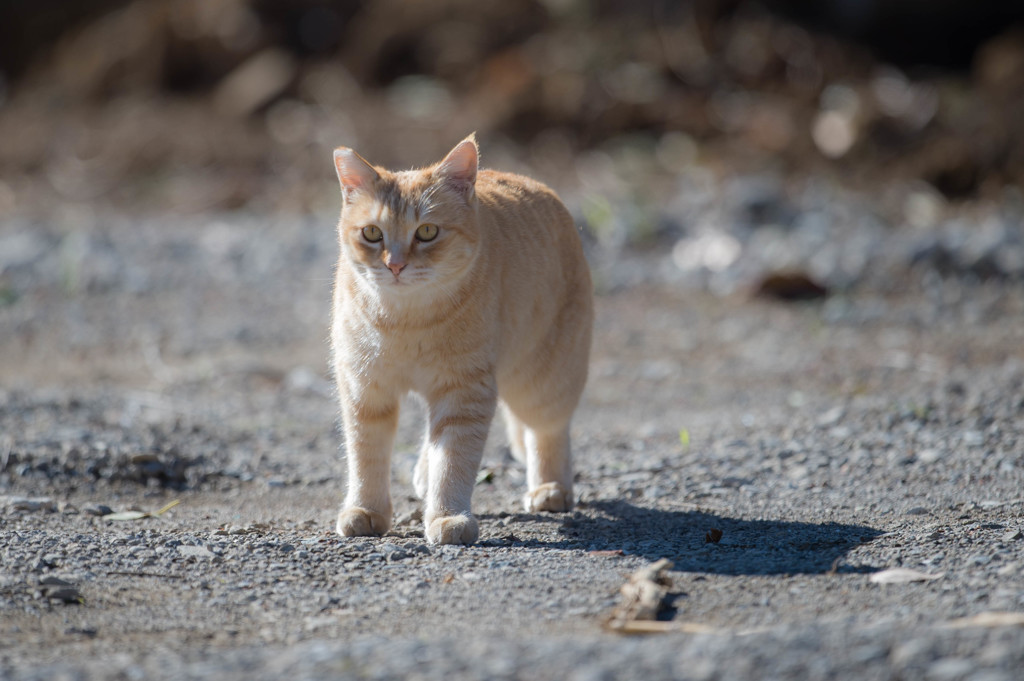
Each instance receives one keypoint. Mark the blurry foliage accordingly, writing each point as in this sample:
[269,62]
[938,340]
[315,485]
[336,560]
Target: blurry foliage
[200,104]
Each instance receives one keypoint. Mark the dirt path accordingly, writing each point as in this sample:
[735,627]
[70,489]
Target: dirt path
[143,365]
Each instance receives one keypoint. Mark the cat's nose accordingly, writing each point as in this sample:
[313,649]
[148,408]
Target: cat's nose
[396,267]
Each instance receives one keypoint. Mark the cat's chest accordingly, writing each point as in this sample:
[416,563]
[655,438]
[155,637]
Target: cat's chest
[412,360]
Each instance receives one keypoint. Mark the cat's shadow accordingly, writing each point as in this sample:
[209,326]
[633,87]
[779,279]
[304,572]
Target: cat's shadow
[697,541]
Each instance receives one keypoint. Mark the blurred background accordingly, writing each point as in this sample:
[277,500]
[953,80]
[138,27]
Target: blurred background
[644,114]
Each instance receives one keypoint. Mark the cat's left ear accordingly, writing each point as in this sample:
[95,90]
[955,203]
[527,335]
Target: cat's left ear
[460,165]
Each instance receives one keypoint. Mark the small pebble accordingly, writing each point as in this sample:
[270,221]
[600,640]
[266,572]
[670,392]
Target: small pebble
[196,552]
[1012,535]
[973,438]
[950,668]
[97,509]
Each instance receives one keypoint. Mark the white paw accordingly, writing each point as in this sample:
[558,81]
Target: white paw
[359,522]
[550,496]
[453,529]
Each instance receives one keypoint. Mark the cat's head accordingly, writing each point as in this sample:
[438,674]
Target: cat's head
[403,232]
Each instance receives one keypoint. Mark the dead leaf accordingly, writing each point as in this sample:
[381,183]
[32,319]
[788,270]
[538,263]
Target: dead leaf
[713,536]
[168,507]
[790,286]
[988,620]
[27,504]
[643,596]
[902,576]
[448,578]
[606,552]
[138,515]
[656,627]
[127,515]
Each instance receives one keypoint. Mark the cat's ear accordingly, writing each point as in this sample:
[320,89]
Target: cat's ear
[354,173]
[460,165]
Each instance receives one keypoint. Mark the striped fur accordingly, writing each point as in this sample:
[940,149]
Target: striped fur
[497,309]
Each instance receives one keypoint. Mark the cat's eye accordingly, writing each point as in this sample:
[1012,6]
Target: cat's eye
[372,233]
[426,232]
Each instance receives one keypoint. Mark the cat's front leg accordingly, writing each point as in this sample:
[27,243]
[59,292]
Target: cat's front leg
[459,420]
[369,435]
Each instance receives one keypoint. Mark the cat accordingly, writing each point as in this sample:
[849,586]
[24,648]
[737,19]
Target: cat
[470,288]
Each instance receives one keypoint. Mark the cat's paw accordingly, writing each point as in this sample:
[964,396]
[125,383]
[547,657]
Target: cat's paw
[453,529]
[359,522]
[550,496]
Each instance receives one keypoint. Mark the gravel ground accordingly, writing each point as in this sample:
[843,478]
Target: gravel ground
[777,453]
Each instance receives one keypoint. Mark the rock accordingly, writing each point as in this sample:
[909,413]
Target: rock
[950,668]
[790,286]
[901,576]
[196,552]
[393,552]
[831,417]
[413,517]
[20,249]
[57,589]
[973,438]
[97,509]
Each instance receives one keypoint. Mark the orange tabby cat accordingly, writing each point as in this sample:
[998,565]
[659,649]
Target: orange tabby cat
[468,288]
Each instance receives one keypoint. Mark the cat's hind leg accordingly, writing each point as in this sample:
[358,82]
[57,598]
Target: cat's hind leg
[420,474]
[548,471]
[516,434]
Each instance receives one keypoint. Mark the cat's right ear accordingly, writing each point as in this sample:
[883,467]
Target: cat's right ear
[354,173]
